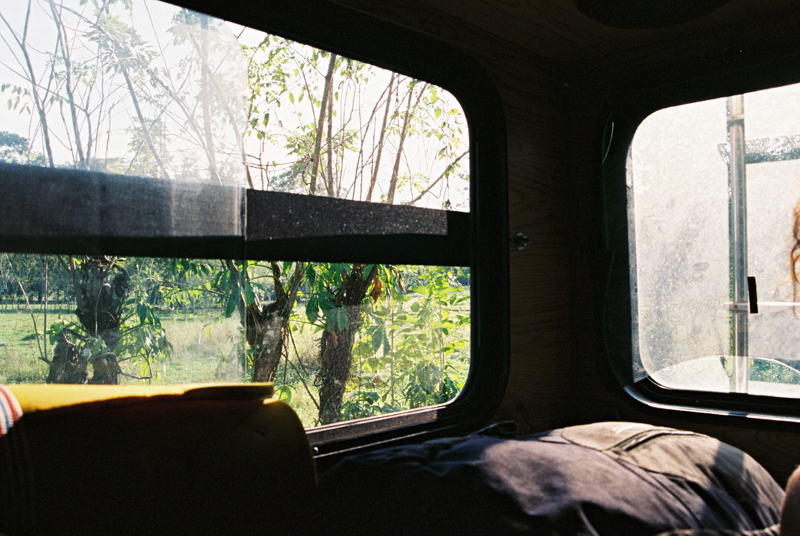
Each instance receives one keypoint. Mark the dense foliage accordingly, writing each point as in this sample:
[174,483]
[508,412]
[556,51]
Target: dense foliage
[147,89]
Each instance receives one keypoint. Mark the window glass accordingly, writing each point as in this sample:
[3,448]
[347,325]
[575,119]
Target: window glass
[133,120]
[188,320]
[149,89]
[713,192]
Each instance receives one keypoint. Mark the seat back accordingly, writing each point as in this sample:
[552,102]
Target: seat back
[186,459]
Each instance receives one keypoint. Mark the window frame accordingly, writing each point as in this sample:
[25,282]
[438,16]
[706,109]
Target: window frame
[478,239]
[623,117]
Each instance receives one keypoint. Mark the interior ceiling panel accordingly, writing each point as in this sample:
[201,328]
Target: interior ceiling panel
[557,31]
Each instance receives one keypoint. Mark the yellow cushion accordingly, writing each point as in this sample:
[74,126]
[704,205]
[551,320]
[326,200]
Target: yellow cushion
[130,460]
[36,397]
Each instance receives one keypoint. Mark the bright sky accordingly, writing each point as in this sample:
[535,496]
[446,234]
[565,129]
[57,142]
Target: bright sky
[151,19]
[680,187]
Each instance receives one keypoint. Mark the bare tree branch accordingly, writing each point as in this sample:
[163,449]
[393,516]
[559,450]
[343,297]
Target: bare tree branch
[318,141]
[374,178]
[32,80]
[62,45]
[443,175]
[403,132]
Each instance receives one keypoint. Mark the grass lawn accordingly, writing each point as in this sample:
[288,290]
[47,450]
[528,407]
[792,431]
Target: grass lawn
[206,348]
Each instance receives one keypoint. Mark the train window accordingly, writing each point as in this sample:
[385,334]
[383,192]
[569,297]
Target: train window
[713,193]
[187,199]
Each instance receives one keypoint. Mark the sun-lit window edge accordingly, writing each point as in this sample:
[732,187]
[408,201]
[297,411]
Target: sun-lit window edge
[484,246]
[620,326]
[374,41]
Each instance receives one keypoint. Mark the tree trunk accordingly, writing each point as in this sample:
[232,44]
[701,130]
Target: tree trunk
[335,358]
[265,325]
[265,336]
[101,287]
[205,100]
[374,178]
[68,365]
[336,345]
[396,170]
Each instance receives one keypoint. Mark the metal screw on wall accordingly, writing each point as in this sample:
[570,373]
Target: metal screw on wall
[521,241]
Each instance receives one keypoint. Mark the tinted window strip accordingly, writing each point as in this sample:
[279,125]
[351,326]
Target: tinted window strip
[272,215]
[45,202]
[69,211]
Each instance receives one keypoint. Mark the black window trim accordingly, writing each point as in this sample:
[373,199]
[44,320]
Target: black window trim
[768,408]
[623,117]
[479,239]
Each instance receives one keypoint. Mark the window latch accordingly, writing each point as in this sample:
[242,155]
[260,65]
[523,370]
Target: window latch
[752,294]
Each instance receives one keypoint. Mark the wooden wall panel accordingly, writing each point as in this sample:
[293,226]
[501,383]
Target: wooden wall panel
[539,395]
[693,69]
[556,73]
[554,31]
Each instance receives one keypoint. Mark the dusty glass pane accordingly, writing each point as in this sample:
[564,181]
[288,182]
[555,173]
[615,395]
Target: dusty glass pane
[679,185]
[692,214]
[205,109]
[149,89]
[400,342]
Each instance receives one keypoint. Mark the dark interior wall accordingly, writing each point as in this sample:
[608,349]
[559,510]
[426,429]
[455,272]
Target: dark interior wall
[559,76]
[541,392]
[753,53]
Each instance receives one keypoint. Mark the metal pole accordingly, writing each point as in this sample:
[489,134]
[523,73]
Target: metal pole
[737,229]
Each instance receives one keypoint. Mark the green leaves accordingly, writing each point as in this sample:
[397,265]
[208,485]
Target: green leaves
[415,351]
[366,404]
[337,319]
[249,294]
[378,338]
[311,275]
[143,311]
[312,309]
[423,291]
[230,304]
[284,393]
[411,346]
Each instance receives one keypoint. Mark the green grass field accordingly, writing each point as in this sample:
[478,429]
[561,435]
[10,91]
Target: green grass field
[206,348]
